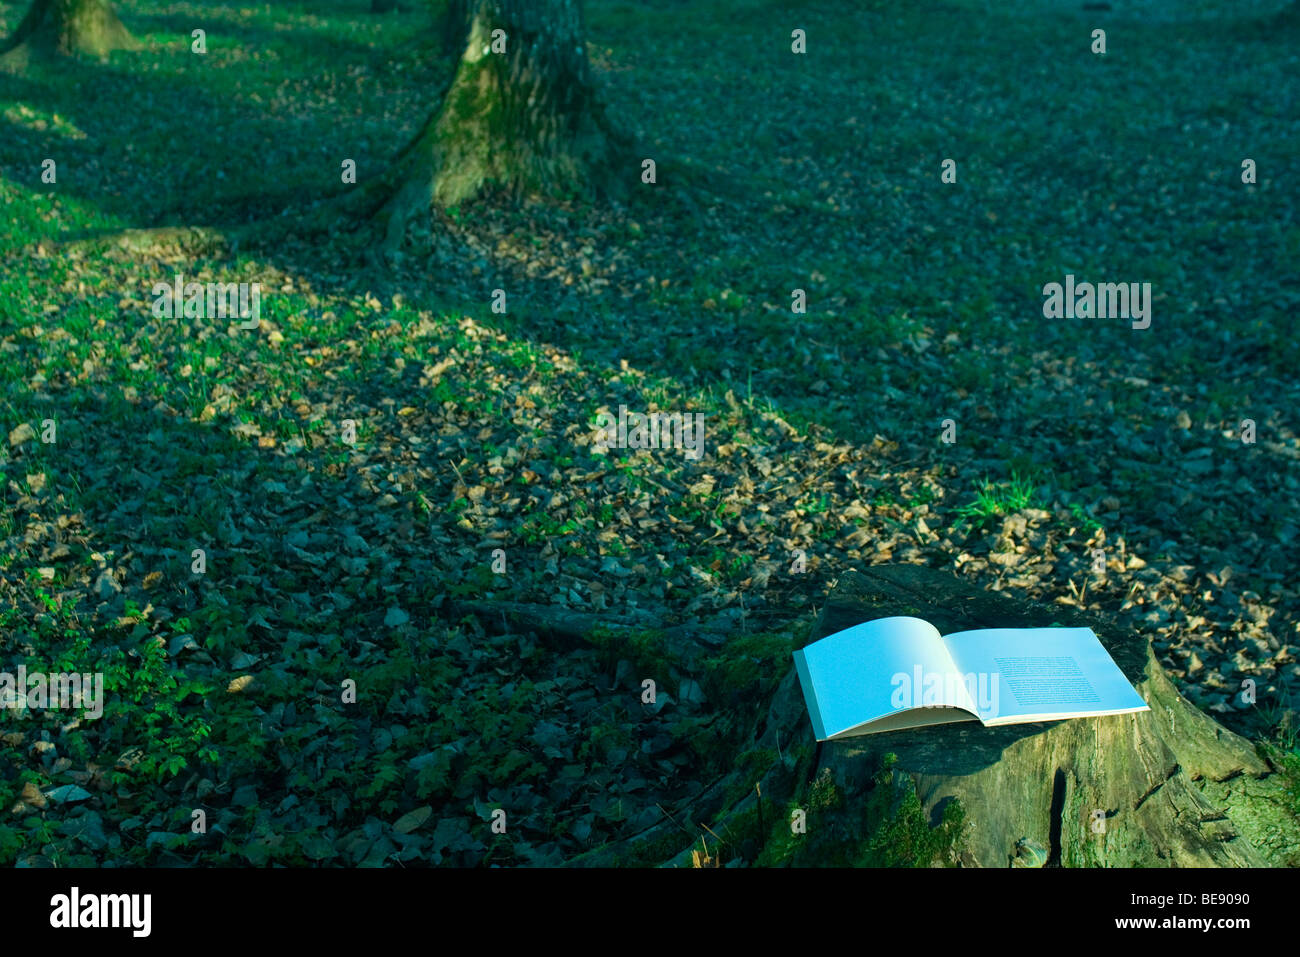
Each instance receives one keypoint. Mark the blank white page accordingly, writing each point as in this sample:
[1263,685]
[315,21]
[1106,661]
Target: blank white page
[847,678]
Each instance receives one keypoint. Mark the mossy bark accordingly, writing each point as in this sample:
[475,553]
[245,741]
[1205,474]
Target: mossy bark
[520,112]
[70,28]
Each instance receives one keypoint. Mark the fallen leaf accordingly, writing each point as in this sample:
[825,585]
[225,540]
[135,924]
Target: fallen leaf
[412,820]
[239,684]
[23,433]
[31,795]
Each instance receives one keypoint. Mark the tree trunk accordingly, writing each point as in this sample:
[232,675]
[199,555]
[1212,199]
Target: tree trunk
[1164,788]
[71,28]
[520,112]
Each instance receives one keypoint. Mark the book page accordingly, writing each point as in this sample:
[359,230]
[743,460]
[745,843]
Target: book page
[1041,674]
[876,669]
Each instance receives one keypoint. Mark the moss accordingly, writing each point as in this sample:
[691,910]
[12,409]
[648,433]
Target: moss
[907,840]
[602,738]
[750,766]
[712,738]
[782,844]
[88,27]
[885,826]
[654,852]
[888,828]
[644,648]
[743,836]
[750,665]
[527,122]
[1287,761]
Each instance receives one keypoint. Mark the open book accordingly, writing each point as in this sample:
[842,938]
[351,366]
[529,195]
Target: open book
[895,673]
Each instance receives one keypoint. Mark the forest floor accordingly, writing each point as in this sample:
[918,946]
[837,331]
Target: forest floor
[329,562]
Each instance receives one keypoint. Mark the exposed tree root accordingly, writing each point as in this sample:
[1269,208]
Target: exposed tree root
[185,240]
[570,629]
[320,219]
[35,14]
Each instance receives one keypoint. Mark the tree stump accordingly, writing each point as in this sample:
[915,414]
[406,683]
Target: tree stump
[1169,787]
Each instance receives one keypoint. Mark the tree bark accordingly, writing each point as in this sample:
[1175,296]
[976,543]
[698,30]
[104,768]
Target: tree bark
[1164,788]
[520,112]
[71,28]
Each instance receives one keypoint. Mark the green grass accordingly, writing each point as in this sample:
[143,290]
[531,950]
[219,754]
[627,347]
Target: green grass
[998,499]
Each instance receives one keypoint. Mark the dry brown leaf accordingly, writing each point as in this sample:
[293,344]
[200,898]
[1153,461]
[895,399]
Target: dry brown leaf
[239,684]
[31,795]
